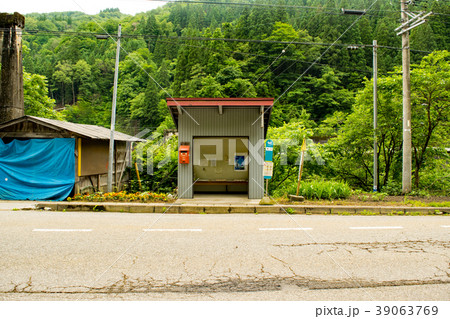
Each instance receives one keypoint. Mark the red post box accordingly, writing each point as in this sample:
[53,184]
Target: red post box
[183,154]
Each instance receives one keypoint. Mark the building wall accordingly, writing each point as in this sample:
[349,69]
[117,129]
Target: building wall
[93,173]
[200,122]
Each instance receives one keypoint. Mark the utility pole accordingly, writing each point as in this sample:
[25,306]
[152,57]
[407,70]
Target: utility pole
[113,114]
[409,22]
[375,117]
[407,161]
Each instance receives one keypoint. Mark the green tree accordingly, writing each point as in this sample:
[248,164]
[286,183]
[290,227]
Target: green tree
[288,140]
[81,78]
[151,29]
[350,154]
[162,149]
[430,83]
[321,96]
[63,75]
[36,100]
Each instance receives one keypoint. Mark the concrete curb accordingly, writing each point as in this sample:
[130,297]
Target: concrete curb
[240,209]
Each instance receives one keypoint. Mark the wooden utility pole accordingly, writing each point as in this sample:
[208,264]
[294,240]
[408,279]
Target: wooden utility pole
[407,160]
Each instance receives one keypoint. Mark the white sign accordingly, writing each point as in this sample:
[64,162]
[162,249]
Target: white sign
[268,170]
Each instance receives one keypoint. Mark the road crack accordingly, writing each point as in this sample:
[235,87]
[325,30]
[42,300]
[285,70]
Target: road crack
[231,284]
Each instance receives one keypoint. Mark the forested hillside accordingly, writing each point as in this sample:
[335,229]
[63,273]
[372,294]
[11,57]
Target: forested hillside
[225,50]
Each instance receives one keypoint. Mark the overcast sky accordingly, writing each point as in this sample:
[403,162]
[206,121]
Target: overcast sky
[87,6]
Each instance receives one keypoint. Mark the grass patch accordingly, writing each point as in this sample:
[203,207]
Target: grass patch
[325,190]
[417,203]
[289,210]
[367,213]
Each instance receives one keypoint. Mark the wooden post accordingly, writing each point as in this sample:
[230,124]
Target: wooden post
[79,157]
[299,174]
[137,173]
[115,168]
[301,166]
[77,165]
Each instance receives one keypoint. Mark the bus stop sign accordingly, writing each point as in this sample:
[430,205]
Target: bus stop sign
[268,155]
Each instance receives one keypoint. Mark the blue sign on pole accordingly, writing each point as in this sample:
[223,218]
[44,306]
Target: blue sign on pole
[268,156]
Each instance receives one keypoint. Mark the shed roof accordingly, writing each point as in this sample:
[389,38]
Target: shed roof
[83,130]
[176,105]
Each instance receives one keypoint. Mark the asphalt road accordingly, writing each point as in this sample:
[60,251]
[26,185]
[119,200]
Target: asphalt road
[107,256]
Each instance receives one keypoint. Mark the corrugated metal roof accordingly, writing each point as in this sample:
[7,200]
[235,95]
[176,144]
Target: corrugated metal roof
[90,131]
[177,105]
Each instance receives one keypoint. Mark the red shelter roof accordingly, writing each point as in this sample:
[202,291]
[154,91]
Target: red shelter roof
[189,102]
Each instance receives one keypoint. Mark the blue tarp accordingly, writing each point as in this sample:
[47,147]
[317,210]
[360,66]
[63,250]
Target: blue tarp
[37,169]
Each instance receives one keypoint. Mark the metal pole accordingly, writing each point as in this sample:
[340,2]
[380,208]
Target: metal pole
[375,116]
[407,162]
[113,114]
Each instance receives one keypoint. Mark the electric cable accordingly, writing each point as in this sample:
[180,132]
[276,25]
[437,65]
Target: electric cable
[92,34]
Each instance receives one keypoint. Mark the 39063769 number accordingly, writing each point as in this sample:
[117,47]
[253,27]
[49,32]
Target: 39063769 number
[406,310]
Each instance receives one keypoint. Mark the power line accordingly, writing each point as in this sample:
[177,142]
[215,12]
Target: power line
[261,56]
[245,4]
[340,68]
[317,60]
[268,67]
[150,36]
[159,37]
[269,5]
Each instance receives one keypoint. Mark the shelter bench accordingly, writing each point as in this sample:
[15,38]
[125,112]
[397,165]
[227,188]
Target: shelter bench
[226,183]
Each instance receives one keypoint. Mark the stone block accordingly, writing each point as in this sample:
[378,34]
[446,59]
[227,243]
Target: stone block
[188,210]
[292,209]
[267,209]
[160,209]
[217,209]
[242,209]
[385,210]
[343,210]
[317,210]
[141,209]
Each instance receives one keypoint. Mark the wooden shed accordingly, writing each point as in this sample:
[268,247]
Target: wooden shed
[91,149]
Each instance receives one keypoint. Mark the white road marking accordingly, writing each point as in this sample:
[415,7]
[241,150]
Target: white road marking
[168,229]
[378,227]
[61,230]
[446,226]
[285,228]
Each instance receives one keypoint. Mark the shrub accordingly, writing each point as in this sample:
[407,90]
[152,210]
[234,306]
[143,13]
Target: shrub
[322,190]
[392,188]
